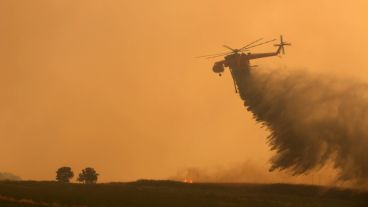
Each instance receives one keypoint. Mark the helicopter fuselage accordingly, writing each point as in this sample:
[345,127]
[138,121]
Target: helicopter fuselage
[238,64]
[235,62]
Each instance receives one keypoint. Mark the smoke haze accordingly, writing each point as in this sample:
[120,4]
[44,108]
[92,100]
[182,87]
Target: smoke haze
[8,176]
[114,85]
[312,120]
[250,172]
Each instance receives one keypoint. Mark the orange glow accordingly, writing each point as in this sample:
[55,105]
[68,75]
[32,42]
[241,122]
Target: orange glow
[113,84]
[187,180]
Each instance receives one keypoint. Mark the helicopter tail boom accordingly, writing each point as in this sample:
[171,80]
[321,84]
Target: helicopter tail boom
[279,50]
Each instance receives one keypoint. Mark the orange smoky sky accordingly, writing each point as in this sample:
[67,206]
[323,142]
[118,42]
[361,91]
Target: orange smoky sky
[114,85]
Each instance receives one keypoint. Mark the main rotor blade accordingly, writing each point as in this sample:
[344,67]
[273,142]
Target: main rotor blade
[228,47]
[204,56]
[220,55]
[260,44]
[251,43]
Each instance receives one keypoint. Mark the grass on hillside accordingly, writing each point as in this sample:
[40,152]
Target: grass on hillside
[170,193]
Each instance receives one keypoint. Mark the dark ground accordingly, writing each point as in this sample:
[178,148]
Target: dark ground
[175,194]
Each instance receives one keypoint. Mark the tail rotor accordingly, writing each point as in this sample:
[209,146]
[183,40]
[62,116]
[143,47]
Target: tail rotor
[281,45]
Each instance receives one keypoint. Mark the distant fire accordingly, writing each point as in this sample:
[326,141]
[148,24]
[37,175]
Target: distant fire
[188,180]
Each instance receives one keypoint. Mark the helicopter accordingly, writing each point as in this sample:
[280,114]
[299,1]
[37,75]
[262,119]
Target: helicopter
[239,62]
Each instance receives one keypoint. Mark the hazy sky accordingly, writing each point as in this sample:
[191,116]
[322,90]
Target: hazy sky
[114,85]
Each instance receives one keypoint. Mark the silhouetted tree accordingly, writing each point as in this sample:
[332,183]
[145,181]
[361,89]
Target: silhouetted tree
[88,176]
[64,174]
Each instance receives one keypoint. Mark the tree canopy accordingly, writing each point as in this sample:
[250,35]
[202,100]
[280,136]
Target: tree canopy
[64,174]
[88,176]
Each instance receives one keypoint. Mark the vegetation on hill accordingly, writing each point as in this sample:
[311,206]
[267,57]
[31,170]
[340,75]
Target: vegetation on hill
[170,193]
